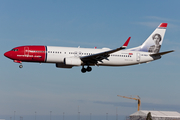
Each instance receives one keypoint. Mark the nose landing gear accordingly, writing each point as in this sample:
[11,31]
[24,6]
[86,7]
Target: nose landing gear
[88,69]
[20,66]
[17,61]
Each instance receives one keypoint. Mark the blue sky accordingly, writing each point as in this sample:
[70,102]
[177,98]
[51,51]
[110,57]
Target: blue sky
[101,23]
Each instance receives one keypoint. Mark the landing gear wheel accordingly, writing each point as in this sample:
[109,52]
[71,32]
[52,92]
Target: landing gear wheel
[89,69]
[83,70]
[20,66]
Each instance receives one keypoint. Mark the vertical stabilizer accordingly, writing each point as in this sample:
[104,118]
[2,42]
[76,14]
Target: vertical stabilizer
[154,41]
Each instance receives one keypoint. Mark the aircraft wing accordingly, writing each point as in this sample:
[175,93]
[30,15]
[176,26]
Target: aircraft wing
[92,59]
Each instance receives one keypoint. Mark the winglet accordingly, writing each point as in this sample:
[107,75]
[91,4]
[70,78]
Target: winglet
[126,43]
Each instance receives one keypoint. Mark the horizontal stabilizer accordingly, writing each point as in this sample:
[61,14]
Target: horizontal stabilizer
[162,53]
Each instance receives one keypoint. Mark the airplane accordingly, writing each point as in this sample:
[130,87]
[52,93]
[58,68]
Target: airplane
[68,57]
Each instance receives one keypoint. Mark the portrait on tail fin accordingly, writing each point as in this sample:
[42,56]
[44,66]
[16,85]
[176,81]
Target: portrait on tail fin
[155,48]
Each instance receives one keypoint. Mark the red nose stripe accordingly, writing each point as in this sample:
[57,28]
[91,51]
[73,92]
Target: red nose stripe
[28,54]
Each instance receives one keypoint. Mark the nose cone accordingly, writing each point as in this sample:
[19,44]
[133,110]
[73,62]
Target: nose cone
[7,54]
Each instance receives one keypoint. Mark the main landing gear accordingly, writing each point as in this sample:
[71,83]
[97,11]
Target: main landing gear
[88,69]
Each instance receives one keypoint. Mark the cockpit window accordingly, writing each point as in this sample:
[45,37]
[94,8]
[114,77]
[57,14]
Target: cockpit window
[14,50]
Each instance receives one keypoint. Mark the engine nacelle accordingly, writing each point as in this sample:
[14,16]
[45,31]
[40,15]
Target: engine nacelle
[62,65]
[72,61]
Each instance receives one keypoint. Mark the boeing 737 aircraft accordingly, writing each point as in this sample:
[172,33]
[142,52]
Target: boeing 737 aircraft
[68,57]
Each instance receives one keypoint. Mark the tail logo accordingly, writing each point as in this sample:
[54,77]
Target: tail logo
[154,41]
[155,48]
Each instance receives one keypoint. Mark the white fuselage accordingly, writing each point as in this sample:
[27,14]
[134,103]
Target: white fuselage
[120,58]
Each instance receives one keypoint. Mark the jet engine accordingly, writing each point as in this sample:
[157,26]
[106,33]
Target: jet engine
[72,61]
[62,65]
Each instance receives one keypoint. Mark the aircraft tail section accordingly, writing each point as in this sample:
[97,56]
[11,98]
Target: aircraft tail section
[154,41]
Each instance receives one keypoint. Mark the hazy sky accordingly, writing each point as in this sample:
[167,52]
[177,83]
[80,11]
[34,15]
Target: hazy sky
[95,23]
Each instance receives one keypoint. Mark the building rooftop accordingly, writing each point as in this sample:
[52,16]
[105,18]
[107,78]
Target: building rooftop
[167,114]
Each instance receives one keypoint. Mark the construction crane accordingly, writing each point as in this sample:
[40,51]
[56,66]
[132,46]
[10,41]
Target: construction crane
[138,99]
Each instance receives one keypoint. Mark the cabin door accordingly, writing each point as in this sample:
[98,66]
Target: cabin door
[138,57]
[26,50]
